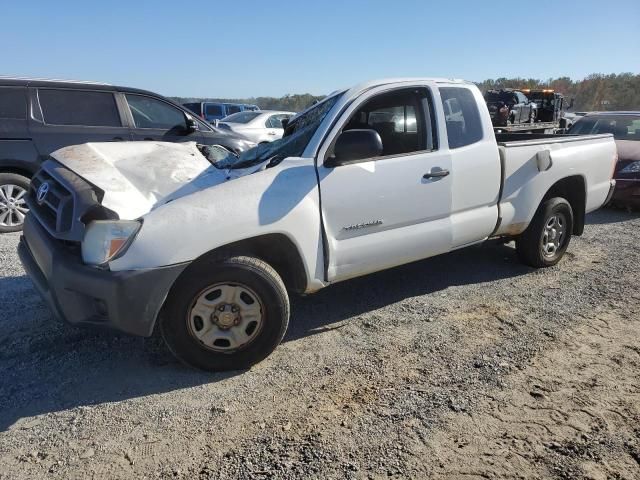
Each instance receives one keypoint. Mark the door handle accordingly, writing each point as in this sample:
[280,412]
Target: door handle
[117,139]
[435,174]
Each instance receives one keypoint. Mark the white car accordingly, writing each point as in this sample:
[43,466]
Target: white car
[260,127]
[206,245]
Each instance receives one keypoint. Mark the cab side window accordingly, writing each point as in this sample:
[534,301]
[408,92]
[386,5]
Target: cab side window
[151,113]
[462,117]
[400,120]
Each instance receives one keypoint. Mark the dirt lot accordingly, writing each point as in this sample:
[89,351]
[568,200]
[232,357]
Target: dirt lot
[468,365]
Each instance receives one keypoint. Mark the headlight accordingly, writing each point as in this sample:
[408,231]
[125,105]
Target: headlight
[633,167]
[105,240]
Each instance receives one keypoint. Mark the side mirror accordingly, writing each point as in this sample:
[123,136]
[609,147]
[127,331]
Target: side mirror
[571,103]
[192,125]
[354,145]
[285,122]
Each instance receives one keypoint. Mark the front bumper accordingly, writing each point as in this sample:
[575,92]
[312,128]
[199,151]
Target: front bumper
[627,192]
[128,301]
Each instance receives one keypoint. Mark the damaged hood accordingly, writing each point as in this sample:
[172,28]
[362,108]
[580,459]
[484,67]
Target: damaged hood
[137,177]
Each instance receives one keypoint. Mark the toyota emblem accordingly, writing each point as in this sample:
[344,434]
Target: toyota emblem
[42,192]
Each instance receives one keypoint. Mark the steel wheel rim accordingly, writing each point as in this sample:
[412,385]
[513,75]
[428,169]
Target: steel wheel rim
[225,317]
[13,206]
[553,235]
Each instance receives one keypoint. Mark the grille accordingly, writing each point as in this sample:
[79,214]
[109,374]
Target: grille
[55,209]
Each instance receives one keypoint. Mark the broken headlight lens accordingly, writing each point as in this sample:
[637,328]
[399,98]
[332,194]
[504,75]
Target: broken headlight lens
[105,240]
[633,167]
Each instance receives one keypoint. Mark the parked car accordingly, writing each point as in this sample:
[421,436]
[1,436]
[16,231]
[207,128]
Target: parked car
[206,246]
[260,126]
[38,117]
[212,111]
[509,106]
[572,117]
[625,127]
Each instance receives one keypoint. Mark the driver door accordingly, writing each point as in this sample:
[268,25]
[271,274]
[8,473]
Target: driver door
[154,119]
[388,210]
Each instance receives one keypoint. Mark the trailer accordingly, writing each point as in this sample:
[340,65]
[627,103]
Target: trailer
[549,113]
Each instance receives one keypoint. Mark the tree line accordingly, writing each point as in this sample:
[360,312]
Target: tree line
[595,92]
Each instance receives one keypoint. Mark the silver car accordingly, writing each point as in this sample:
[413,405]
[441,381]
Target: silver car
[260,127]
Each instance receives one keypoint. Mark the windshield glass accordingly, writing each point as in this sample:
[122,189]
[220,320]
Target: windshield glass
[623,127]
[296,137]
[241,117]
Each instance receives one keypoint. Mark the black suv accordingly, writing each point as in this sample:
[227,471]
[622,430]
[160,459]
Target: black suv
[37,117]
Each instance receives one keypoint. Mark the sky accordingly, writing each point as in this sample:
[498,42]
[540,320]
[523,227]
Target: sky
[237,49]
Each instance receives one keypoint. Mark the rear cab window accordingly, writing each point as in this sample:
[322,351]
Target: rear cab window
[79,108]
[13,103]
[462,117]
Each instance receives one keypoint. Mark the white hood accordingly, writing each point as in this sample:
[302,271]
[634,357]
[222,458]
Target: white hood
[136,177]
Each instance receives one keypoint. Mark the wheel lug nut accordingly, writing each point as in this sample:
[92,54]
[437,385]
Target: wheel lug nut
[221,308]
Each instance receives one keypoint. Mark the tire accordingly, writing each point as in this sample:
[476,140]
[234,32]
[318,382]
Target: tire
[13,189]
[216,305]
[534,244]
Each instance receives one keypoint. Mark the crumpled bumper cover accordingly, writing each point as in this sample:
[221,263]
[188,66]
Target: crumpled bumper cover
[128,301]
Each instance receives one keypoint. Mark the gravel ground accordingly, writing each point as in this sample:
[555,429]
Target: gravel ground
[468,365]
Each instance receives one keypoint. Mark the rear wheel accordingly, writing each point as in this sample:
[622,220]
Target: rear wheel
[226,315]
[547,238]
[13,207]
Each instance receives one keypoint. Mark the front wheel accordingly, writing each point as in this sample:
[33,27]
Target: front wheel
[225,315]
[547,237]
[13,208]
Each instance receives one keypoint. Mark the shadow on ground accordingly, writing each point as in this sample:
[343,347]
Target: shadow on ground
[46,366]
[611,215]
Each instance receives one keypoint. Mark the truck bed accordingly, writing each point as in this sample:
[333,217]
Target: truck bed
[533,163]
[509,137]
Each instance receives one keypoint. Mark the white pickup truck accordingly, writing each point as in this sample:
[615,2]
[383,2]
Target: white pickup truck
[205,245]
